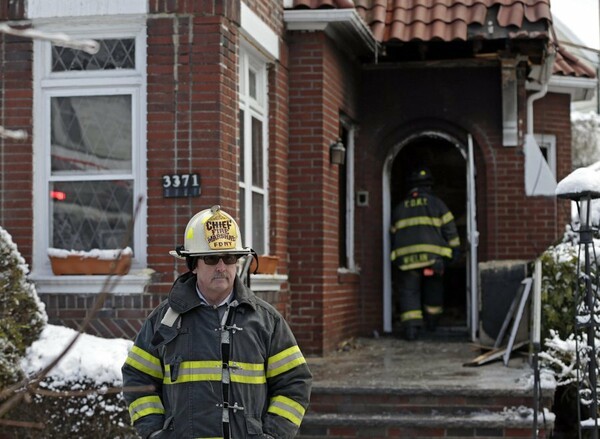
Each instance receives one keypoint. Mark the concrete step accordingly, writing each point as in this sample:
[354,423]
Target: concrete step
[410,401]
[347,412]
[513,423]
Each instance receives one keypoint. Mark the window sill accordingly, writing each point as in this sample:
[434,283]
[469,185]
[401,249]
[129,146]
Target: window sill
[267,282]
[133,283]
[346,276]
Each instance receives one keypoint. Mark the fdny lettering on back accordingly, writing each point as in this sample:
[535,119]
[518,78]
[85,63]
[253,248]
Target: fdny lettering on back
[415,202]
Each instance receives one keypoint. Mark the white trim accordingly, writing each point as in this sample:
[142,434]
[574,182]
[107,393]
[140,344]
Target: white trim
[251,59]
[343,25]
[548,142]
[387,215]
[133,283]
[48,84]
[267,282]
[258,33]
[580,89]
[78,8]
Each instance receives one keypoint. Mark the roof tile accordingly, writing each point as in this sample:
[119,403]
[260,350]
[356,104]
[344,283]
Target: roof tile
[449,20]
[427,20]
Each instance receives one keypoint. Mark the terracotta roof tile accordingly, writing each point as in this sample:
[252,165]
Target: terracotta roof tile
[567,64]
[446,20]
[450,20]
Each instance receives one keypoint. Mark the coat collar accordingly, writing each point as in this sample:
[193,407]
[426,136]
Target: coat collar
[183,296]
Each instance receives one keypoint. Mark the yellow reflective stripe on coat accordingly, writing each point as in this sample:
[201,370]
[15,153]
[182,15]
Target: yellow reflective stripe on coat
[417,221]
[454,242]
[190,371]
[144,362]
[284,361]
[144,406]
[411,315]
[433,310]
[447,217]
[287,408]
[422,248]
[247,373]
[195,371]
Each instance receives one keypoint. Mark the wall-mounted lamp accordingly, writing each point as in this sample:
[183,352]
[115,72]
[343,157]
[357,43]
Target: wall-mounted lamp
[337,153]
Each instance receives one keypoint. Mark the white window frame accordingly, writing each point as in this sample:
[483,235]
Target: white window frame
[250,59]
[49,84]
[350,195]
[547,142]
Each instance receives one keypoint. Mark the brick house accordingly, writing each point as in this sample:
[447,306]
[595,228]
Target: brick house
[245,101]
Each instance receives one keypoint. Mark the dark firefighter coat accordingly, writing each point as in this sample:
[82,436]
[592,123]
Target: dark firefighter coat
[266,379]
[423,230]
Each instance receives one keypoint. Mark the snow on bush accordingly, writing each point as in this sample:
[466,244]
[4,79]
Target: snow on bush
[22,314]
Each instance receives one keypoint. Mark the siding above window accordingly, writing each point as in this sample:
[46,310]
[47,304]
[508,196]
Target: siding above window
[78,8]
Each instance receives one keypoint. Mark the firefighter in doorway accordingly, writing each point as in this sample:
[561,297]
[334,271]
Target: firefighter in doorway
[424,240]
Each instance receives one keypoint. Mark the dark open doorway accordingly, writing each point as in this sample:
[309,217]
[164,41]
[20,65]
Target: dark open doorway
[449,167]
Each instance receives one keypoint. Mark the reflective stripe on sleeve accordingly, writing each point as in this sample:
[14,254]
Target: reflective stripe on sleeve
[454,242]
[287,408]
[447,218]
[144,406]
[284,361]
[144,362]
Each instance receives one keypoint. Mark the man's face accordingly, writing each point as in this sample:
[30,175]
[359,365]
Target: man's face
[215,282]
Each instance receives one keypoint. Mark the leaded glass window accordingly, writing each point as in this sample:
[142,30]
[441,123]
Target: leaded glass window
[113,54]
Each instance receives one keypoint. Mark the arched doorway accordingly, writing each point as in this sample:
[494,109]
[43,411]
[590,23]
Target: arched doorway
[448,160]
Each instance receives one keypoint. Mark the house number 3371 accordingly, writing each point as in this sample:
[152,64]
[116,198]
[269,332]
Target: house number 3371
[181,185]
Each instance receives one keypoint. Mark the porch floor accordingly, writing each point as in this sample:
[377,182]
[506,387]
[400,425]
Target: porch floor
[432,361]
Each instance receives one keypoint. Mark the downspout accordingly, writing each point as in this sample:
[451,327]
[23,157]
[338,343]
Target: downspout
[534,97]
[544,79]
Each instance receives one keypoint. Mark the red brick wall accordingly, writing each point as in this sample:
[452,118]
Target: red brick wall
[192,126]
[16,170]
[322,84]
[399,103]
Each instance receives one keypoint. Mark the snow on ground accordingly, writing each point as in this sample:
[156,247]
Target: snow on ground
[91,357]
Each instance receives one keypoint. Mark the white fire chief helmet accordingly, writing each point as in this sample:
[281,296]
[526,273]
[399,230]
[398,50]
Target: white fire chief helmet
[211,231]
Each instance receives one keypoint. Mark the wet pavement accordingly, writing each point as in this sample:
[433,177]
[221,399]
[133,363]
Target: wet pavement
[436,362]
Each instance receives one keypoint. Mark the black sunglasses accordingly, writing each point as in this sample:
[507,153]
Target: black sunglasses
[228,259]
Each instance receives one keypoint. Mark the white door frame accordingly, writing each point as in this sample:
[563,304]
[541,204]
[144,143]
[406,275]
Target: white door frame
[473,297]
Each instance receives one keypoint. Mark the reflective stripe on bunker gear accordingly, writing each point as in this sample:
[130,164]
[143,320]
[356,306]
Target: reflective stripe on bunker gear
[447,217]
[434,310]
[416,221]
[287,408]
[247,373]
[284,361]
[421,248]
[144,362]
[194,371]
[411,315]
[190,371]
[144,406]
[454,242]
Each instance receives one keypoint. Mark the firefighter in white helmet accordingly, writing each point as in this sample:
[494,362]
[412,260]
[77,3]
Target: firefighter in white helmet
[220,361]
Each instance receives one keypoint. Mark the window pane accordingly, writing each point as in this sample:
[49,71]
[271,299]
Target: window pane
[257,153]
[242,221]
[242,149]
[90,214]
[91,134]
[258,223]
[252,84]
[113,54]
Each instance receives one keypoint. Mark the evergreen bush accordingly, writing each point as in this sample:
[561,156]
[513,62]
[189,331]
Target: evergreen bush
[22,314]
